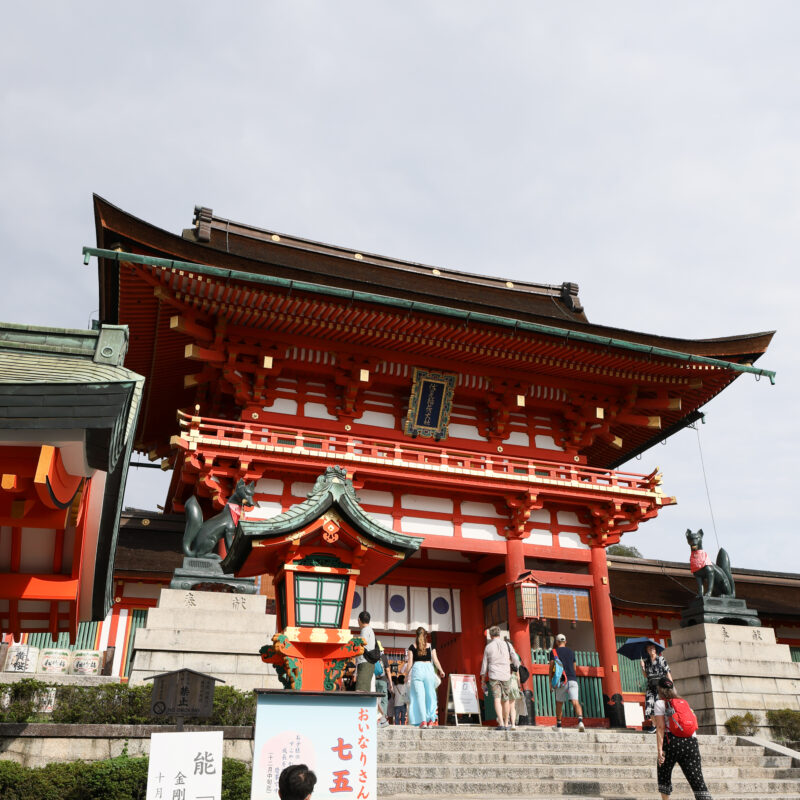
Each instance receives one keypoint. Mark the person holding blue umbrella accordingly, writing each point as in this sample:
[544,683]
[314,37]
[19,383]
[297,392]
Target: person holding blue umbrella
[654,668]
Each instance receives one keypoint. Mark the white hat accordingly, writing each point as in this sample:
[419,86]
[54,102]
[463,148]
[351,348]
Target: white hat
[561,638]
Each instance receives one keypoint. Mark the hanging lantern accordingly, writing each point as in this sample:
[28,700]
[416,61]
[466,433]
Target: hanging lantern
[526,596]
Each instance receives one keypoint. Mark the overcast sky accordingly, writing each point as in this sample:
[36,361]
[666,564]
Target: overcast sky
[648,152]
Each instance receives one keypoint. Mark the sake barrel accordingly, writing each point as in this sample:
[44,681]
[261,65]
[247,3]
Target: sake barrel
[54,660]
[22,658]
[85,662]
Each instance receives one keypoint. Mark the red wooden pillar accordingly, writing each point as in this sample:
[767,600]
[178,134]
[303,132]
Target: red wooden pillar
[605,639]
[517,628]
[472,625]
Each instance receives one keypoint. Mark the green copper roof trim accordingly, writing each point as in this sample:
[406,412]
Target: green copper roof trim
[430,308]
[332,488]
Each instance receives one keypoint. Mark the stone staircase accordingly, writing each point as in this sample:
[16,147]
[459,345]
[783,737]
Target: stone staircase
[534,762]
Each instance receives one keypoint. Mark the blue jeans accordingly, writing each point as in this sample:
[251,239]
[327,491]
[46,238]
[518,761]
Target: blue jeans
[399,715]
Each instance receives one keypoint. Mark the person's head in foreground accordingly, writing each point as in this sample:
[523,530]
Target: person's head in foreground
[296,783]
[666,689]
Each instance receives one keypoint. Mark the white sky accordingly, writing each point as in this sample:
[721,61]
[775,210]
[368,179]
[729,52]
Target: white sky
[647,152]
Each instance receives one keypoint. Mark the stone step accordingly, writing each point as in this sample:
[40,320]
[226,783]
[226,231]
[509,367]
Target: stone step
[200,641]
[220,621]
[588,771]
[741,758]
[578,787]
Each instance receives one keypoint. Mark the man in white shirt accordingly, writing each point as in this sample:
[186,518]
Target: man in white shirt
[364,669]
[497,660]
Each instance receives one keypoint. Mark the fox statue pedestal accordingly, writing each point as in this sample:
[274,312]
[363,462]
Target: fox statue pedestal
[726,670]
[205,574]
[211,632]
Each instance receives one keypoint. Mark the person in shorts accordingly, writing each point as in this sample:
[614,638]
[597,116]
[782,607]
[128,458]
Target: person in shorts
[497,661]
[569,690]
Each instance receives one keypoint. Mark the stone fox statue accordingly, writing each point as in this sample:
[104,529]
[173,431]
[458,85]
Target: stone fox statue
[717,577]
[200,538]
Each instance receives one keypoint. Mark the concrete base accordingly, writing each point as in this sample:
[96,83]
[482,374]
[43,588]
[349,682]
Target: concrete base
[728,670]
[216,633]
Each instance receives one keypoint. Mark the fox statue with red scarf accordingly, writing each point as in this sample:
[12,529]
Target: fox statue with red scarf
[717,577]
[200,538]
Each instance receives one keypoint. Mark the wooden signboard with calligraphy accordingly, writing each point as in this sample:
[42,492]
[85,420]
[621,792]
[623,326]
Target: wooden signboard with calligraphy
[183,693]
[430,404]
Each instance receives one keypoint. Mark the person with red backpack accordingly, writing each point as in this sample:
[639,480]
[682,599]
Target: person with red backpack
[676,735]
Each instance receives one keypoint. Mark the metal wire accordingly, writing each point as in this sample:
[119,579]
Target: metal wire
[705,480]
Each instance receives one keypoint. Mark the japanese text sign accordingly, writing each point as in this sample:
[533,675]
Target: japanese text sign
[184,693]
[185,766]
[333,733]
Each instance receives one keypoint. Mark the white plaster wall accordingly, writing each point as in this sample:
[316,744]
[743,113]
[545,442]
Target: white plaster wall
[370,497]
[571,540]
[317,411]
[541,515]
[301,489]
[377,419]
[269,486]
[37,548]
[570,518]
[540,537]
[472,509]
[282,405]
[459,431]
[418,502]
[480,530]
[546,443]
[427,527]
[518,438]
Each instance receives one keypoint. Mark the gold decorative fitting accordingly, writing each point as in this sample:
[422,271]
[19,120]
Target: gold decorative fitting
[510,284]
[117,599]
[275,237]
[254,415]
[145,522]
[347,427]
[436,272]
[358,256]
[576,458]
[499,448]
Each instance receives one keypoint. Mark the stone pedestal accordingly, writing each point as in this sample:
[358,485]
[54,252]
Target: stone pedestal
[205,574]
[215,633]
[726,670]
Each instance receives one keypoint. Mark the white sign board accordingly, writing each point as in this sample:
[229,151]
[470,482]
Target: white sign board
[332,733]
[185,766]
[464,691]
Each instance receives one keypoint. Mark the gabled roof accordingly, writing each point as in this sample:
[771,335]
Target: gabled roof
[267,284]
[332,490]
[64,384]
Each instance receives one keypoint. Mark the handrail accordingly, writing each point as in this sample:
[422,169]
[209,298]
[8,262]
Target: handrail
[353,448]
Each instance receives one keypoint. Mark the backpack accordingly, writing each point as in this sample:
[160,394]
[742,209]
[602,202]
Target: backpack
[681,722]
[379,670]
[558,678]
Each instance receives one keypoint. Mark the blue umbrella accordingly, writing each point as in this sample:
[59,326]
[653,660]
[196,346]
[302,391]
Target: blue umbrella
[634,649]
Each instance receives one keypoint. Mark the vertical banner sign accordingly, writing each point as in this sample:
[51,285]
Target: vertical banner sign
[332,733]
[185,766]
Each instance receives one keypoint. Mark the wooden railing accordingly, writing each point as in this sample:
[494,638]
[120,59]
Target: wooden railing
[345,447]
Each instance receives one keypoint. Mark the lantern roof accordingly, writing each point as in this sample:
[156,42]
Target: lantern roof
[333,491]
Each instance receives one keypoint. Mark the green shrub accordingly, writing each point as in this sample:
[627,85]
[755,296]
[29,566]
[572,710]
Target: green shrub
[21,700]
[742,725]
[785,724]
[109,704]
[121,778]
[113,704]
[236,778]
[232,707]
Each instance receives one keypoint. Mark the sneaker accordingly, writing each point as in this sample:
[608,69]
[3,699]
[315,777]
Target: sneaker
[581,727]
[423,724]
[383,723]
[502,728]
